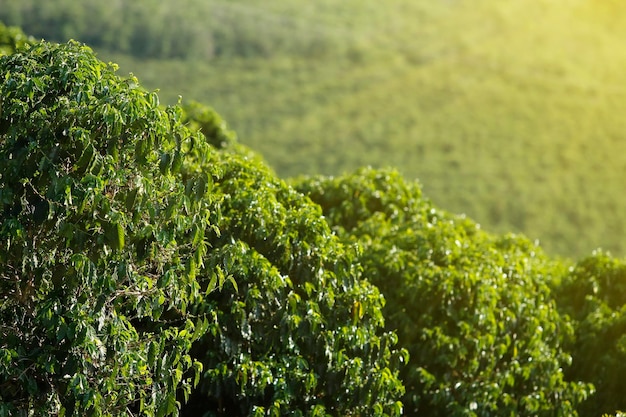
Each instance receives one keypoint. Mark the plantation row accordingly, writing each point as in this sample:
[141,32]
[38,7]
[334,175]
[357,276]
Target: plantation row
[152,265]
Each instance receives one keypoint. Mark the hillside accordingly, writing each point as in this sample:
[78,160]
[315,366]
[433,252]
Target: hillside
[508,113]
[152,265]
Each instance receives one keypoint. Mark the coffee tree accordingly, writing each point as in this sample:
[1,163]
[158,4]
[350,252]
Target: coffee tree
[92,260]
[298,333]
[474,311]
[140,258]
[593,294]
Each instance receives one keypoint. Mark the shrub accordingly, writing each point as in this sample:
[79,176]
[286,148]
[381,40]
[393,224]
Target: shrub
[289,340]
[593,294]
[474,310]
[96,271]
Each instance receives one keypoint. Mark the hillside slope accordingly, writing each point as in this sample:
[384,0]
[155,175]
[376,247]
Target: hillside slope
[506,112]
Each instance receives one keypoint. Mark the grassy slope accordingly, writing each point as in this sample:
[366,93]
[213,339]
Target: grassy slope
[513,114]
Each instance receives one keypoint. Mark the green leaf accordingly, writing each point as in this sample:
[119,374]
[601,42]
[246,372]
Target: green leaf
[86,158]
[114,234]
[165,163]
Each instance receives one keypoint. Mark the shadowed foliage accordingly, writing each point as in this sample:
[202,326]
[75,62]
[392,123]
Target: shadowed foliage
[474,310]
[138,260]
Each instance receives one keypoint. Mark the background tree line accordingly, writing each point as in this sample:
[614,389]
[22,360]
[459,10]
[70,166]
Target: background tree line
[203,29]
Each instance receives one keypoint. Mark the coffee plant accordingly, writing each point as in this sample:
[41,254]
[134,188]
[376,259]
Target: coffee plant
[593,294]
[475,311]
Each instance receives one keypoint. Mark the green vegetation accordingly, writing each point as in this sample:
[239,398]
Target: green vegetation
[12,38]
[82,243]
[475,311]
[594,296]
[150,264]
[138,261]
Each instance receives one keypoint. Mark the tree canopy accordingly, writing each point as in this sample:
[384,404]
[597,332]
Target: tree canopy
[474,310]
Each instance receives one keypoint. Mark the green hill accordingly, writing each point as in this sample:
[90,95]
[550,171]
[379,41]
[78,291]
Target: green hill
[507,112]
[152,265]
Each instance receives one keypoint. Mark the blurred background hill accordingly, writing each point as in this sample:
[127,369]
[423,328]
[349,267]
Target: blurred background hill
[510,112]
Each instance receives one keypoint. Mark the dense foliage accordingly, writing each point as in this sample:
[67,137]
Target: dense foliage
[475,311]
[594,295]
[138,260]
[90,256]
[150,264]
